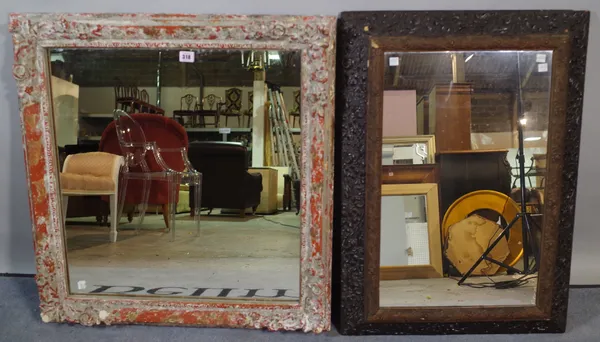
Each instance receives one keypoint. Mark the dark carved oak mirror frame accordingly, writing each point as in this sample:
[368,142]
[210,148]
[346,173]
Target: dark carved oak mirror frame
[33,34]
[363,37]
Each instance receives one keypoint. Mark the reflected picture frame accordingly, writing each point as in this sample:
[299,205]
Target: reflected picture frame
[429,140]
[435,267]
[363,39]
[315,36]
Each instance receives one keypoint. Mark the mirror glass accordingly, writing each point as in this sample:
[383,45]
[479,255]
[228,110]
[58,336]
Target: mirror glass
[487,113]
[134,128]
[404,234]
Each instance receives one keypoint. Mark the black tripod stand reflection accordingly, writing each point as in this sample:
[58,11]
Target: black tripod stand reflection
[529,242]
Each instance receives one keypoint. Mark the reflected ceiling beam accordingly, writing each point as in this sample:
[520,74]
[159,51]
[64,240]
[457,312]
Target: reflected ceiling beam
[448,76]
[183,74]
[200,83]
[528,75]
[458,67]
[259,118]
[397,72]
[424,91]
[158,78]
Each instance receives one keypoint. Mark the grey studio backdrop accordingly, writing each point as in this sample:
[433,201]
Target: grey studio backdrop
[16,247]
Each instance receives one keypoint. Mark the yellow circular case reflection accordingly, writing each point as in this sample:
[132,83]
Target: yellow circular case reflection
[488,200]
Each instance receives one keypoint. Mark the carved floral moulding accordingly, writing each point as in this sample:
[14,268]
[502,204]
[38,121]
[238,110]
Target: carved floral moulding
[358,175]
[33,34]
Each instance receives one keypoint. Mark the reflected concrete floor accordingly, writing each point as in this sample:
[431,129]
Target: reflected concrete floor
[260,253]
[446,292]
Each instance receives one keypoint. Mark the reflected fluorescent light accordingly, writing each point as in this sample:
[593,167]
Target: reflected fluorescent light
[523,121]
[532,139]
[274,56]
[57,57]
[469,58]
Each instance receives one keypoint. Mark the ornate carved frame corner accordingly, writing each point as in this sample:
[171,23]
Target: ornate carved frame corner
[363,37]
[314,36]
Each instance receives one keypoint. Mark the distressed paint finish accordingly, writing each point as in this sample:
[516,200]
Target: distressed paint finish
[33,34]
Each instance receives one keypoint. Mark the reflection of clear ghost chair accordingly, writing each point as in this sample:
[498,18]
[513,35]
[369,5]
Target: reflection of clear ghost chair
[92,173]
[150,165]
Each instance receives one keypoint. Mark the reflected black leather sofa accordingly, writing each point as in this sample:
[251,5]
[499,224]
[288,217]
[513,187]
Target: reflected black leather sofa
[226,182]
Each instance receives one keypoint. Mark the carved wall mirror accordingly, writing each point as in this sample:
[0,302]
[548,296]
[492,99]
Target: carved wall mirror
[159,191]
[502,93]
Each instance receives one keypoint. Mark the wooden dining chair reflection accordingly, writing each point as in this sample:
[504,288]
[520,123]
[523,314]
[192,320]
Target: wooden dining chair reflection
[211,107]
[233,105]
[249,113]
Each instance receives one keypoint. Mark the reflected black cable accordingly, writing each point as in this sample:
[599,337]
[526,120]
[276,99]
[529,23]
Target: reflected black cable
[280,223]
[503,285]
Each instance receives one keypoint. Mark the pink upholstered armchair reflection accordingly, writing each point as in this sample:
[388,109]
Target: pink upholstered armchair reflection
[153,165]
